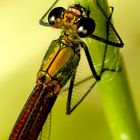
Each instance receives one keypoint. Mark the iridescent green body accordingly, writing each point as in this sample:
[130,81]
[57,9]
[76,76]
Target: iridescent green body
[60,62]
[58,66]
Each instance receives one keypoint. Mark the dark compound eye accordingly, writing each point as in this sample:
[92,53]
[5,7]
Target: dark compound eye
[54,14]
[86,27]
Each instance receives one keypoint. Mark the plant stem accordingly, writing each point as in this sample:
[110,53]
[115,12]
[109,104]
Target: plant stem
[114,89]
[118,106]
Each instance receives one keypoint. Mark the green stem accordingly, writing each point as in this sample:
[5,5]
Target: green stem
[118,106]
[115,93]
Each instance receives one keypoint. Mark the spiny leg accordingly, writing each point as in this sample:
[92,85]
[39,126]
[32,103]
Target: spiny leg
[70,109]
[106,16]
[41,21]
[115,44]
[106,45]
[84,46]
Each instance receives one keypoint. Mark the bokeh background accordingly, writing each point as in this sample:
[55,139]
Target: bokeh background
[23,43]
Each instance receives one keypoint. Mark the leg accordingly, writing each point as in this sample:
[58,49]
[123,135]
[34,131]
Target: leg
[116,44]
[106,46]
[84,46]
[110,16]
[107,36]
[69,107]
[42,20]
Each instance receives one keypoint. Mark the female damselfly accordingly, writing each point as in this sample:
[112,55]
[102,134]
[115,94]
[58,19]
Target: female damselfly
[60,65]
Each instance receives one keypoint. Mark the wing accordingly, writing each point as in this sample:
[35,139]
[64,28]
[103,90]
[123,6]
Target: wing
[80,85]
[45,133]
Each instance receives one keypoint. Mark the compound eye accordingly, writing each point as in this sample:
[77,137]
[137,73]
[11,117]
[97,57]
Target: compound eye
[54,14]
[86,27]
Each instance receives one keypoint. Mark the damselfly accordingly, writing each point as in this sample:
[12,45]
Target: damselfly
[60,64]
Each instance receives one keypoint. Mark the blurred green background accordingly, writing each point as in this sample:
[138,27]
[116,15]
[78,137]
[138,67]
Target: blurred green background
[23,43]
